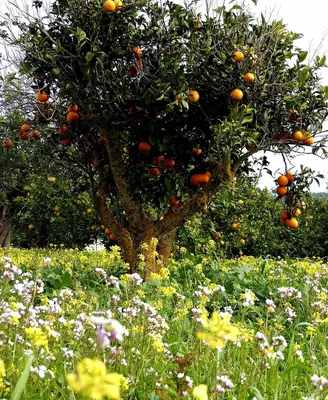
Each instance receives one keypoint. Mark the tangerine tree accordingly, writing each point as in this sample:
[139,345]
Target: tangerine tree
[165,105]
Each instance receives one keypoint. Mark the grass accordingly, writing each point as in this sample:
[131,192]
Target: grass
[246,328]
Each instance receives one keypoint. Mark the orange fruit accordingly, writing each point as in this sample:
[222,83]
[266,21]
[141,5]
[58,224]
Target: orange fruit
[42,96]
[66,142]
[197,26]
[283,180]
[292,223]
[308,140]
[25,128]
[112,237]
[25,136]
[72,116]
[285,214]
[199,179]
[249,77]
[193,96]
[297,212]
[31,226]
[242,241]
[108,231]
[137,51]
[179,98]
[290,176]
[283,221]
[207,173]
[169,163]
[158,160]
[237,94]
[196,152]
[73,108]
[35,134]
[7,143]
[234,225]
[298,136]
[144,147]
[154,172]
[109,5]
[118,4]
[174,200]
[238,56]
[281,191]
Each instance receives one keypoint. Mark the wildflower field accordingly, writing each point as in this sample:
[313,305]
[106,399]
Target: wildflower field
[75,325]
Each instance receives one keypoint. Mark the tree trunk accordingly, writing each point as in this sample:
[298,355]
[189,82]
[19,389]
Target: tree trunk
[5,230]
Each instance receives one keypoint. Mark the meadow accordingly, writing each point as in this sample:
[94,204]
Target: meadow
[75,325]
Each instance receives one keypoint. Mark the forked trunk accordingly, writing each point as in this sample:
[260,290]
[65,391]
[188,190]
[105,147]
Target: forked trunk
[5,230]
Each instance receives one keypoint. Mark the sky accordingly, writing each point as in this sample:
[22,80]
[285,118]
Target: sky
[310,19]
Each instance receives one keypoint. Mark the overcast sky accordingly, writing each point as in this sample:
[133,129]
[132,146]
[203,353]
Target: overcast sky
[310,19]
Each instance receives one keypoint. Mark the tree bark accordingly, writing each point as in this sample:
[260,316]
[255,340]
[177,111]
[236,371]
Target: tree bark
[5,230]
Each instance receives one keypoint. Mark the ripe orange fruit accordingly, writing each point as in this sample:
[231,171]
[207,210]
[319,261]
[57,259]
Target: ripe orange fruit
[249,77]
[66,142]
[25,128]
[137,51]
[281,191]
[285,214]
[308,140]
[118,4]
[174,200]
[179,98]
[72,116]
[42,96]
[234,225]
[25,136]
[221,242]
[242,241]
[283,221]
[30,227]
[207,173]
[298,136]
[283,180]
[108,231]
[198,26]
[35,134]
[238,56]
[73,108]
[196,152]
[112,237]
[109,5]
[199,179]
[144,147]
[154,172]
[7,143]
[240,202]
[193,96]
[158,160]
[237,94]
[169,163]
[290,176]
[297,212]
[292,223]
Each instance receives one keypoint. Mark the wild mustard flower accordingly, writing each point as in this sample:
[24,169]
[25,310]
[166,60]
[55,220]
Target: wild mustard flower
[158,344]
[37,337]
[218,330]
[200,392]
[94,382]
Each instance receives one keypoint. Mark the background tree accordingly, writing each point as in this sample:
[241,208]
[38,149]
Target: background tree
[165,106]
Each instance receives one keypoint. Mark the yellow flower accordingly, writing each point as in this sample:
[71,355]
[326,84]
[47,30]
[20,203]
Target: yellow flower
[94,382]
[200,392]
[155,277]
[168,291]
[165,273]
[2,368]
[158,344]
[37,337]
[219,330]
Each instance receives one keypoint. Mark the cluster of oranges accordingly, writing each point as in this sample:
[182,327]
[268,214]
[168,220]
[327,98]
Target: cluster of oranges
[193,97]
[113,5]
[26,132]
[237,226]
[249,77]
[288,217]
[304,137]
[72,115]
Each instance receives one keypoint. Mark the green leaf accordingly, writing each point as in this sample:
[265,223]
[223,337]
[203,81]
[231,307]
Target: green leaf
[302,56]
[89,56]
[20,385]
[160,97]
